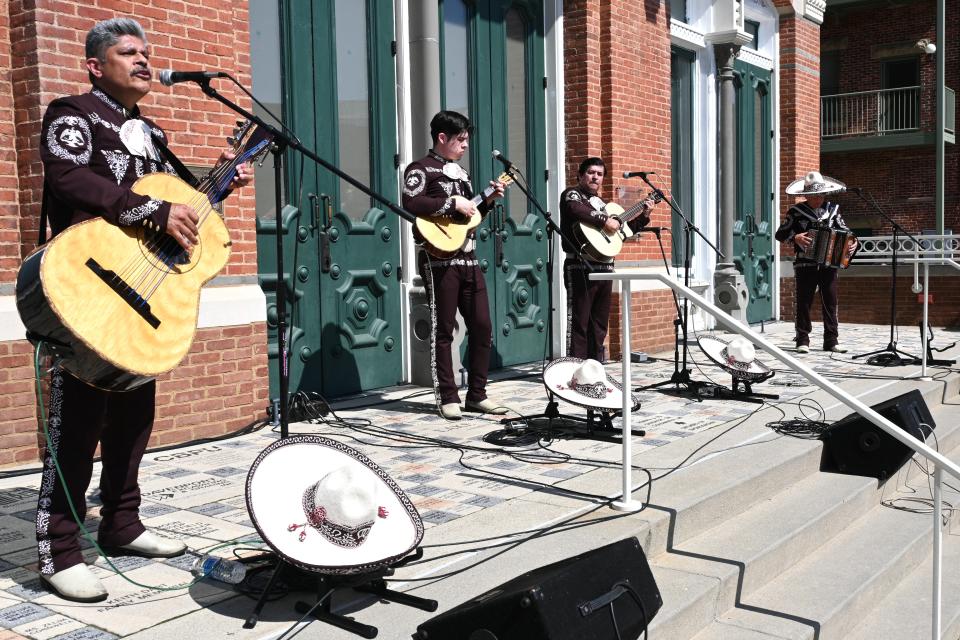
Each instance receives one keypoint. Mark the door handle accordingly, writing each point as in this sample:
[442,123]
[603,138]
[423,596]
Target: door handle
[498,233]
[323,208]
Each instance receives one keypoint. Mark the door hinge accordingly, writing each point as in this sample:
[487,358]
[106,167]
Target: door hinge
[544,82]
[396,161]
[393,47]
[400,273]
[546,175]
[771,133]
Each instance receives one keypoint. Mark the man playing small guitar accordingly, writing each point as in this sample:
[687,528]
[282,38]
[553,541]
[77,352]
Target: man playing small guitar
[94,147]
[436,187]
[588,301]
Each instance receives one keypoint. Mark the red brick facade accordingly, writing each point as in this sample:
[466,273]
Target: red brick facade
[901,179]
[617,106]
[221,386]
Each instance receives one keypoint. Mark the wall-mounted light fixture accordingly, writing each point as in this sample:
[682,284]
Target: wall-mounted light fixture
[927,46]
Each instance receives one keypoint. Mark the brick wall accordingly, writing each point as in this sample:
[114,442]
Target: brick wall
[866,300]
[9,180]
[903,179]
[222,384]
[617,106]
[799,99]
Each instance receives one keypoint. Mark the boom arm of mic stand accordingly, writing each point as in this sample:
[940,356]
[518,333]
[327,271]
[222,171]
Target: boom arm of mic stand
[680,213]
[873,203]
[284,140]
[551,225]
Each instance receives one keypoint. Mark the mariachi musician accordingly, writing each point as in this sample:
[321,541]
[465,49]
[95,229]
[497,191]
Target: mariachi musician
[437,187]
[798,228]
[588,301]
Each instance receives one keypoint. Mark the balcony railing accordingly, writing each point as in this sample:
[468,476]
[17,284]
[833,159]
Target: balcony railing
[870,113]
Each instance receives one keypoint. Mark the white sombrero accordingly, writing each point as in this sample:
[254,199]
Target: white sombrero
[815,184]
[328,508]
[738,357]
[584,383]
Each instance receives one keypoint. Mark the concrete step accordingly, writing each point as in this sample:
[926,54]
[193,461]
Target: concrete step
[746,552]
[829,592]
[753,548]
[906,612]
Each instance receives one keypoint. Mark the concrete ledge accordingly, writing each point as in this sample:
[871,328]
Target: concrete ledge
[224,306]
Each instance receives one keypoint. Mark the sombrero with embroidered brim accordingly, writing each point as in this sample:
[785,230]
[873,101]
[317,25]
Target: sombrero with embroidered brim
[323,506]
[737,356]
[584,383]
[815,184]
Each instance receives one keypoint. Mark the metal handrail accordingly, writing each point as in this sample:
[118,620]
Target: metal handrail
[877,112]
[940,462]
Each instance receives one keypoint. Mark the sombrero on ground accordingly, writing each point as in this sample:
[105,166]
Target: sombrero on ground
[815,184]
[584,383]
[328,508]
[737,356]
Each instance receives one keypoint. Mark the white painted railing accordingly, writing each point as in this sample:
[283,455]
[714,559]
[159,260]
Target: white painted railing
[936,250]
[941,463]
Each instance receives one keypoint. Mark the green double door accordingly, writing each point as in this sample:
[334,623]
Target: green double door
[755,223]
[342,251]
[493,71]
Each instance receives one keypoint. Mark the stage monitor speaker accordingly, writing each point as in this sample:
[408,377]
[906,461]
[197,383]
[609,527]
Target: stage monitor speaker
[602,594]
[855,446]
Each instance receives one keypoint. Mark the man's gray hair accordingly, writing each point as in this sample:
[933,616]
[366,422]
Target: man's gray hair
[105,34]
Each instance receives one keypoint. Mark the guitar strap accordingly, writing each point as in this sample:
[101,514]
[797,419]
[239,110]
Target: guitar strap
[42,231]
[185,174]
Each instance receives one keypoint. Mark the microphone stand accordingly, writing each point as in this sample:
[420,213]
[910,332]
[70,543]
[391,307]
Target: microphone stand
[281,142]
[681,375]
[552,412]
[891,348]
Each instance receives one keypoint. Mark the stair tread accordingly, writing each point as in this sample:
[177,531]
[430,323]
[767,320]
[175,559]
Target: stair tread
[824,594]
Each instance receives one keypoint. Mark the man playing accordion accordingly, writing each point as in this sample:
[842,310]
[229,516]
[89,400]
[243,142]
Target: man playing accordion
[817,263]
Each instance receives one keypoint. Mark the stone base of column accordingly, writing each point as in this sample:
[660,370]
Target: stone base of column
[730,293]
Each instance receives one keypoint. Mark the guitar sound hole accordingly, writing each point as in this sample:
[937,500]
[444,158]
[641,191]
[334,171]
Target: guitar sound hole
[164,251]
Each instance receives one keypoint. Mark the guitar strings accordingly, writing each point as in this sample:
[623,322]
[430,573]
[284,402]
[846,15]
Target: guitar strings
[139,269]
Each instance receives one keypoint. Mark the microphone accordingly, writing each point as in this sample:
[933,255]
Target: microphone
[169,77]
[642,174]
[499,156]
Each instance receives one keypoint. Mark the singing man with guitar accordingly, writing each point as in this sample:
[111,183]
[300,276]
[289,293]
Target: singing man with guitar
[437,188]
[94,147]
[588,301]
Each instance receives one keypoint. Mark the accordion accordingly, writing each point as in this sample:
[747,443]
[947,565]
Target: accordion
[829,248]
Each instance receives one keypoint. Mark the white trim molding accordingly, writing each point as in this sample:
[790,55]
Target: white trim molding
[682,34]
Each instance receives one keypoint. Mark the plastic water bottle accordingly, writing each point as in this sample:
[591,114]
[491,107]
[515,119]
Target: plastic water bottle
[222,569]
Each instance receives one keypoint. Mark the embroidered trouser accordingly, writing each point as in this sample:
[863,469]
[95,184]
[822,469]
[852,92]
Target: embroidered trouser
[459,284]
[808,280]
[80,417]
[588,309]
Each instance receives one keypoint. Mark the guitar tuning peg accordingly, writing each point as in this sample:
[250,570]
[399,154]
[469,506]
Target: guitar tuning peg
[231,141]
[239,123]
[236,132]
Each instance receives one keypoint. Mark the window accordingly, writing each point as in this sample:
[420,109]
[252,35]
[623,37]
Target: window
[753,28]
[267,86]
[678,10]
[681,142]
[454,61]
[353,104]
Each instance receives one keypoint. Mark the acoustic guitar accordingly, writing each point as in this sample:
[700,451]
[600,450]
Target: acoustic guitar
[119,305]
[443,237]
[604,246]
